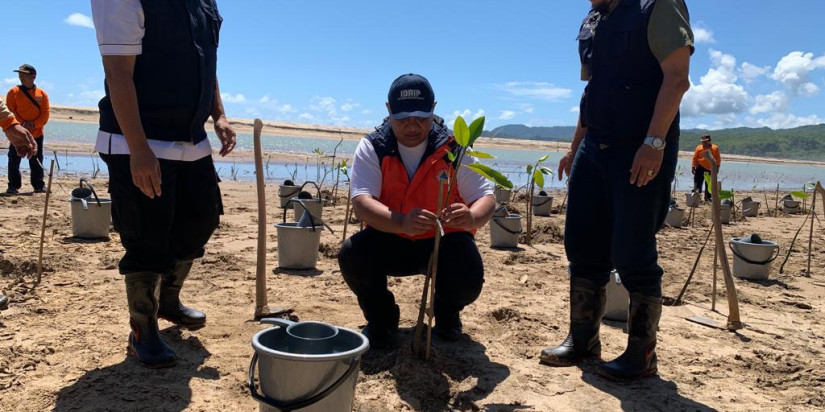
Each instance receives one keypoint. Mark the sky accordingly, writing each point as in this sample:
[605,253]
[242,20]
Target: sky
[757,63]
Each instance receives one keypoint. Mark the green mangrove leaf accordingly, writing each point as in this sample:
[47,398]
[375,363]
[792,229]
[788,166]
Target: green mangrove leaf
[801,195]
[476,129]
[546,170]
[491,174]
[538,177]
[462,133]
[451,156]
[707,180]
[543,158]
[480,155]
[529,169]
[725,194]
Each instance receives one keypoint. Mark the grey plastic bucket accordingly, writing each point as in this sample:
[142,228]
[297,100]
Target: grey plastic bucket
[724,213]
[294,375]
[542,205]
[675,217]
[791,206]
[618,299]
[752,260]
[287,192]
[502,194]
[505,230]
[298,241]
[750,208]
[90,217]
[315,206]
[693,199]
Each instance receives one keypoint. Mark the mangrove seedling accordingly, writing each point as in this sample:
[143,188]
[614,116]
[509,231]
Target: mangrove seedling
[536,173]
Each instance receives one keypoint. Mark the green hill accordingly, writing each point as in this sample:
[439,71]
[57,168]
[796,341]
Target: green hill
[801,143]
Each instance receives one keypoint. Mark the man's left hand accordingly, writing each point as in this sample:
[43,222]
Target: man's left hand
[225,134]
[646,165]
[458,215]
[22,140]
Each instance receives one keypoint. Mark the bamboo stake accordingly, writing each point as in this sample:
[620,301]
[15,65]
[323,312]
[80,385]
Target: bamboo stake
[678,300]
[733,302]
[261,304]
[793,241]
[346,216]
[715,266]
[429,284]
[776,199]
[43,227]
[811,233]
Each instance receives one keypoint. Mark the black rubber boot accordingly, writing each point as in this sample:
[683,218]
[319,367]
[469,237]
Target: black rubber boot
[145,343]
[587,304]
[4,302]
[171,308]
[639,359]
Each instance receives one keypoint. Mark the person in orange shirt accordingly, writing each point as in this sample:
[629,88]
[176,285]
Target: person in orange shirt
[701,165]
[30,106]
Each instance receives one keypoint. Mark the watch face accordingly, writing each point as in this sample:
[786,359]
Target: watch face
[658,143]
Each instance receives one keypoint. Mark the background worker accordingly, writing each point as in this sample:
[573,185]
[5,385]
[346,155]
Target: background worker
[395,184]
[30,105]
[701,165]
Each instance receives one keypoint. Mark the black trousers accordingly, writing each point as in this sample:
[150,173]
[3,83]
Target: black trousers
[15,179]
[172,227]
[369,256]
[699,180]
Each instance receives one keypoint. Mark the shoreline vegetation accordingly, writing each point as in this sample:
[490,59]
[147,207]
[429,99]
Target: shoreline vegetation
[275,128]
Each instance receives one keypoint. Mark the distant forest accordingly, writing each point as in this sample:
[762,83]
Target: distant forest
[801,143]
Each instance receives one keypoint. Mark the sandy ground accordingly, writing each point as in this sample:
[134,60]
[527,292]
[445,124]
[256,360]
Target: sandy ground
[62,344]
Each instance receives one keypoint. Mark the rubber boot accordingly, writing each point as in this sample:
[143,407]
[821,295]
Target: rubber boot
[587,305]
[639,359]
[4,302]
[171,308]
[145,343]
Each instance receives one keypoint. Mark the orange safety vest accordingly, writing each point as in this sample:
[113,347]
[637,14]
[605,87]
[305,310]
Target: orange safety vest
[400,194]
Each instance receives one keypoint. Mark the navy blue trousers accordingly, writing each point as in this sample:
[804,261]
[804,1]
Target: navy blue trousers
[15,179]
[611,223]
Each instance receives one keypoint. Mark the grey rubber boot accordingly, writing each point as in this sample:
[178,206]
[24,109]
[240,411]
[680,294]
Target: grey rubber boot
[171,307]
[145,342]
[587,305]
[4,302]
[639,359]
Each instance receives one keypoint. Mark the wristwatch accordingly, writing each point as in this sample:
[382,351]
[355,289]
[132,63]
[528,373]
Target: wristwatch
[655,142]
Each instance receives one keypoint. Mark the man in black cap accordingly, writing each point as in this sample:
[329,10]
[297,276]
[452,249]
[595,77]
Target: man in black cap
[701,165]
[30,105]
[165,197]
[395,183]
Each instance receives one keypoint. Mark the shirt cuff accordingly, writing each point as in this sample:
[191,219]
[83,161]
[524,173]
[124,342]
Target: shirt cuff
[8,122]
[120,49]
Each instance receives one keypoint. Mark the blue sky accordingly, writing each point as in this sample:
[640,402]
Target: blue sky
[757,63]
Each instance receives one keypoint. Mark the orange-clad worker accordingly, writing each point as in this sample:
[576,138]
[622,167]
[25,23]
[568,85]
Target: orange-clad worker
[30,106]
[701,165]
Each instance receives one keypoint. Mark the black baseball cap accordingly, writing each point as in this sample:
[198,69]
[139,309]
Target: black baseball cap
[411,96]
[27,68]
[705,138]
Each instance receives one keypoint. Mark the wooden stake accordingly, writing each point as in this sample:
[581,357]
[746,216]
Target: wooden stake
[678,300]
[261,305]
[43,227]
[346,216]
[429,286]
[811,233]
[733,302]
[715,266]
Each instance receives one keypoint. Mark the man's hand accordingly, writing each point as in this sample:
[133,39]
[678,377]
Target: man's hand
[693,170]
[458,215]
[566,163]
[22,140]
[646,165]
[145,171]
[226,135]
[418,221]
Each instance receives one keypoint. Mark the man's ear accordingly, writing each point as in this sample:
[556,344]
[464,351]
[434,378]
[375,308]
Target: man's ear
[388,108]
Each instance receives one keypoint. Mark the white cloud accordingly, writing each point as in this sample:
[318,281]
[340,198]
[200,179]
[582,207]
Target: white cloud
[788,121]
[808,89]
[94,95]
[11,81]
[264,99]
[230,98]
[79,19]
[366,111]
[286,108]
[751,71]
[306,116]
[794,69]
[527,108]
[717,91]
[536,90]
[322,104]
[349,106]
[466,114]
[767,103]
[507,115]
[703,36]
[575,109]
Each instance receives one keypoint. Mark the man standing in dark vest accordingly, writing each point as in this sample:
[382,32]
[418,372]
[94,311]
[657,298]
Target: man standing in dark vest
[635,56]
[394,190]
[160,61]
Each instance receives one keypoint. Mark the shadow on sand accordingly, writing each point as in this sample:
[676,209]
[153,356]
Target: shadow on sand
[128,386]
[427,384]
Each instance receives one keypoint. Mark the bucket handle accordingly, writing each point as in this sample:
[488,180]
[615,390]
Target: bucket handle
[311,220]
[288,407]
[512,232]
[317,189]
[82,181]
[291,194]
[752,262]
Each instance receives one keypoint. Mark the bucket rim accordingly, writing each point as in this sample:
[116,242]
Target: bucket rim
[294,225]
[765,243]
[80,199]
[324,357]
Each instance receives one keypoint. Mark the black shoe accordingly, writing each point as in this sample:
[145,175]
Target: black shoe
[451,330]
[39,190]
[4,302]
[381,338]
[11,191]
